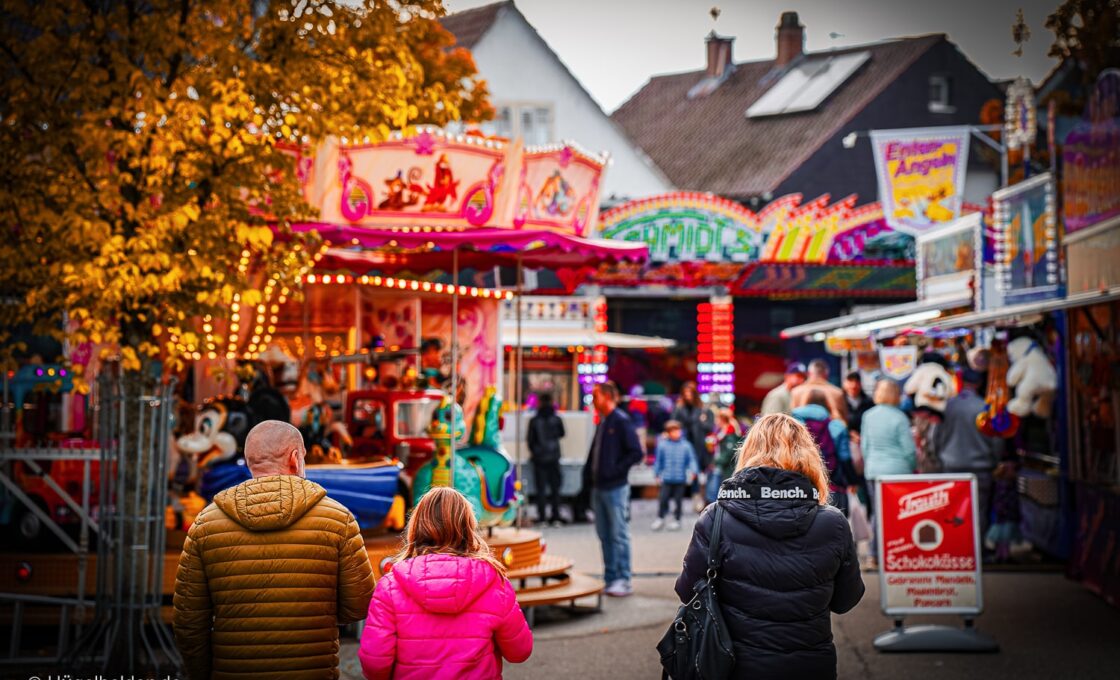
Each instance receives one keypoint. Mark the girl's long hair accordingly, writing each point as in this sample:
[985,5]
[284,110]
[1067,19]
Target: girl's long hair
[443,523]
[780,441]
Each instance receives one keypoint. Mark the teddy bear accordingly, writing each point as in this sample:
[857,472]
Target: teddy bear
[1032,376]
[930,385]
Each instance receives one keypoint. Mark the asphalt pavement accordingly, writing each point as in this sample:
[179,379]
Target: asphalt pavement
[1046,625]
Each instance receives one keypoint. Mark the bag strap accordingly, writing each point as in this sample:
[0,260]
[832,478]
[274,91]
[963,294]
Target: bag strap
[714,559]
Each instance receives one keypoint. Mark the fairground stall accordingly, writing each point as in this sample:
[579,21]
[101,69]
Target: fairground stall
[1043,333]
[566,350]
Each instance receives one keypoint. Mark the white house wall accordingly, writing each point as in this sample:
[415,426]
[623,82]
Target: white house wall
[519,67]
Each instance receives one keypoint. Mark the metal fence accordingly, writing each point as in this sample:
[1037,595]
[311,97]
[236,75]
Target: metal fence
[120,540]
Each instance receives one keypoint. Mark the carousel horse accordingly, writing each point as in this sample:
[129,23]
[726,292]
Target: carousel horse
[481,471]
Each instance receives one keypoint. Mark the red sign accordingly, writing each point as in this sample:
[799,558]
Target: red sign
[929,544]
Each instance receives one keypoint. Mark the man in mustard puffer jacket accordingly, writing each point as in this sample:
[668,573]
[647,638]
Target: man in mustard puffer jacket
[269,571]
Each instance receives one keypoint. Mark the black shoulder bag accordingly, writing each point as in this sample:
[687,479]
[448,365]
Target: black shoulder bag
[697,645]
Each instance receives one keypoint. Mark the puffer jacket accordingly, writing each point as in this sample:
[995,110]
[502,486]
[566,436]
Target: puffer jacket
[787,562]
[443,616]
[268,572]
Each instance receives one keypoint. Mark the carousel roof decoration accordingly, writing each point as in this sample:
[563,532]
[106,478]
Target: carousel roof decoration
[790,248]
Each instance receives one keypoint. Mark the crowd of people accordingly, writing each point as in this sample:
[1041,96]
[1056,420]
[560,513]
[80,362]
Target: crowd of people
[273,566]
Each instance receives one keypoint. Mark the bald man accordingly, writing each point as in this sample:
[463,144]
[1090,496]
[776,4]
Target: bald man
[269,571]
[818,380]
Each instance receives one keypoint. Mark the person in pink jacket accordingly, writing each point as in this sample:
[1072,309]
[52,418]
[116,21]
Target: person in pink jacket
[446,609]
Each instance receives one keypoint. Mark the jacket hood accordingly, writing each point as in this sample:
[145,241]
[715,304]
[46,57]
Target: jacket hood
[775,502]
[444,584]
[269,503]
[811,412]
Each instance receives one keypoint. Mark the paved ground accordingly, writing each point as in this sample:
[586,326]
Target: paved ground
[1047,626]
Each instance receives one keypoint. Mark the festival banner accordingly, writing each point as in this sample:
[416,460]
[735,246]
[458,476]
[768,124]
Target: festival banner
[898,362]
[1026,240]
[921,175]
[1091,159]
[929,544]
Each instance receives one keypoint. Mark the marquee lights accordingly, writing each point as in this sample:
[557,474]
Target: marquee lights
[715,335]
[408,284]
[592,366]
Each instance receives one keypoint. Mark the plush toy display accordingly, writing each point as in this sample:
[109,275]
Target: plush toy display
[997,420]
[1033,377]
[931,386]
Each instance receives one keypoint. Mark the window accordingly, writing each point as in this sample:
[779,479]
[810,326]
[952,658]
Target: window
[532,122]
[536,125]
[941,95]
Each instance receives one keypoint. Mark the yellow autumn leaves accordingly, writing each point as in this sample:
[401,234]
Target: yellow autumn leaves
[146,165]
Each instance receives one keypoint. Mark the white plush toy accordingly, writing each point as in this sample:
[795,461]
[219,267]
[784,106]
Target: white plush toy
[930,385]
[1033,377]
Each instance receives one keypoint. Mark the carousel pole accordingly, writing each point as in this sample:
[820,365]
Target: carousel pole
[517,391]
[454,338]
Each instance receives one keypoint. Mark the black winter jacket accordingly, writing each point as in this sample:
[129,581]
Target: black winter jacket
[621,450]
[787,562]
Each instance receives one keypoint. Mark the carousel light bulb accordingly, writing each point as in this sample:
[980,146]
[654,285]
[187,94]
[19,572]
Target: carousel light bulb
[462,290]
[310,278]
[211,355]
[364,280]
[255,339]
[427,286]
[236,305]
[207,327]
[415,285]
[231,354]
[234,327]
[271,329]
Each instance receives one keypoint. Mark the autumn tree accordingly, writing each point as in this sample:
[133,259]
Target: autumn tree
[1087,31]
[145,155]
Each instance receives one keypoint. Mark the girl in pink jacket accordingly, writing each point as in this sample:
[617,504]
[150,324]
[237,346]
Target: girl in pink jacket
[446,610]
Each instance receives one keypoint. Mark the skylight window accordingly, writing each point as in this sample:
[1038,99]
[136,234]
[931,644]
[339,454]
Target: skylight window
[808,84]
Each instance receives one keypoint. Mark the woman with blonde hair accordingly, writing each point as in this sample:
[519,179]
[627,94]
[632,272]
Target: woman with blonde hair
[788,557]
[446,608]
[887,444]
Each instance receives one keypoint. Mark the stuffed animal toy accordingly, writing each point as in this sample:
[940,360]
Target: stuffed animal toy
[931,386]
[1033,377]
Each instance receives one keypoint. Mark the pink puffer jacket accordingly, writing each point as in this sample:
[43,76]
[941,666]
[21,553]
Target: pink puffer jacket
[443,616]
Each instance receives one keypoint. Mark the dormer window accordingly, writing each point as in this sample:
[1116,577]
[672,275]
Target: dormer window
[941,95]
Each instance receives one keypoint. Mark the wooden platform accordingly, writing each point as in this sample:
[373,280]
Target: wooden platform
[562,590]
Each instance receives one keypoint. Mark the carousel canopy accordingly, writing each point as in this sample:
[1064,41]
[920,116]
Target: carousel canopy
[388,250]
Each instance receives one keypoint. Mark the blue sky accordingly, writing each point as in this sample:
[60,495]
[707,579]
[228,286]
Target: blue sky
[614,46]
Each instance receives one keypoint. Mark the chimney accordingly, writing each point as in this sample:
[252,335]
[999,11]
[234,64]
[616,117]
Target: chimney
[791,38]
[719,55]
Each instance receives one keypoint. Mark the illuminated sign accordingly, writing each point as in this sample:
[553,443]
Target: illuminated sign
[715,357]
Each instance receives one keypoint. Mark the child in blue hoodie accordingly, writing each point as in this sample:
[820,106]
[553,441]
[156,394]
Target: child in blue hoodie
[674,465]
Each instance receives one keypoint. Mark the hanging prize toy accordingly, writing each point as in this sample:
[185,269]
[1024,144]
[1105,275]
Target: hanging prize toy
[996,420]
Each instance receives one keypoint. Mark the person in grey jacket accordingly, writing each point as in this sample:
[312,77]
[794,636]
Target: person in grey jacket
[963,448]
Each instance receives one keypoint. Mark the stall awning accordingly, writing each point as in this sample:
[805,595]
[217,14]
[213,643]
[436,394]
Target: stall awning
[427,248]
[872,319]
[1013,312]
[579,337]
